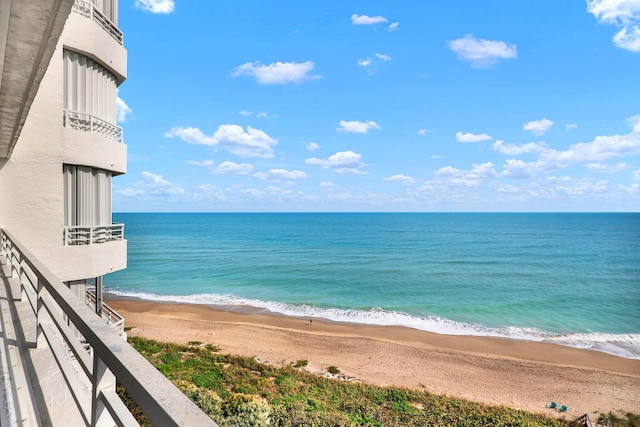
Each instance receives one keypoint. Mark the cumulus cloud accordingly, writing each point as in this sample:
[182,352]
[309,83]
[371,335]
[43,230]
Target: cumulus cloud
[277,73]
[569,127]
[450,176]
[404,179]
[519,169]
[482,53]
[470,137]
[514,150]
[592,153]
[231,168]
[624,14]
[357,127]
[606,168]
[204,163]
[393,26]
[156,6]
[423,131]
[636,175]
[383,57]
[122,110]
[367,20]
[280,175]
[152,185]
[312,146]
[538,127]
[252,143]
[341,162]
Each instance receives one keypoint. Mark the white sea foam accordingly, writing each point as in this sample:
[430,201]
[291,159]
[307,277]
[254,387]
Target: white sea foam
[623,345]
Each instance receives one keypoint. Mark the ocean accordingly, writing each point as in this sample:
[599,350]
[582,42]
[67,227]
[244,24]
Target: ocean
[568,278]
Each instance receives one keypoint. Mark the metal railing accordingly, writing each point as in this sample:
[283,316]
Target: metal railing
[89,10]
[108,314]
[88,123]
[63,320]
[91,234]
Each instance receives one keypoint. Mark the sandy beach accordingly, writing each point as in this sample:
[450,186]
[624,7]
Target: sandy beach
[518,374]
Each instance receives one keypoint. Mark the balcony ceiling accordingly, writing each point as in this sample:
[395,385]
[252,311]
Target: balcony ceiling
[29,32]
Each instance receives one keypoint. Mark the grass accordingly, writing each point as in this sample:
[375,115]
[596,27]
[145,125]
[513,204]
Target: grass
[239,391]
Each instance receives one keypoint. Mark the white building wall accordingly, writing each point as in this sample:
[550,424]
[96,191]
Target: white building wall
[31,180]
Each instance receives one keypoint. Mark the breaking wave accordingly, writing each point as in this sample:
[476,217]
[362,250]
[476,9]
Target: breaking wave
[622,345]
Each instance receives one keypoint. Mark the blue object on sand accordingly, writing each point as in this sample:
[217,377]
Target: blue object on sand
[553,405]
[563,408]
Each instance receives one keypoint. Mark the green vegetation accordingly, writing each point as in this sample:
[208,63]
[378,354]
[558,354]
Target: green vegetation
[630,420]
[239,391]
[301,363]
[333,370]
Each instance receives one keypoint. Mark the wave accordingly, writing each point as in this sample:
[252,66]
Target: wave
[622,345]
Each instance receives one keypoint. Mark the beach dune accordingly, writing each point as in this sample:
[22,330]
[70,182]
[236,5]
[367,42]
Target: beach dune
[518,374]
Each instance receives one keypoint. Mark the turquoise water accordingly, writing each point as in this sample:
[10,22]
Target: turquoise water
[573,279]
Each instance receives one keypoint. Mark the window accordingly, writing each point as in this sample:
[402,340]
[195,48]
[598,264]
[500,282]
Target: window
[87,196]
[89,88]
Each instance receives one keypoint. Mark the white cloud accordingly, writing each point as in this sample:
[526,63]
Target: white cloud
[122,110]
[231,168]
[636,175]
[393,26]
[449,176]
[357,127]
[482,53]
[514,150]
[606,168]
[367,20]
[538,127]
[341,162]
[423,131]
[404,179]
[204,163]
[252,143]
[624,14]
[278,72]
[280,175]
[151,185]
[156,6]
[518,169]
[507,188]
[470,137]
[260,115]
[371,64]
[312,146]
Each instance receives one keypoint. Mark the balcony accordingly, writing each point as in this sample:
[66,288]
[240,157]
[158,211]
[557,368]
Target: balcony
[59,361]
[92,234]
[92,124]
[88,10]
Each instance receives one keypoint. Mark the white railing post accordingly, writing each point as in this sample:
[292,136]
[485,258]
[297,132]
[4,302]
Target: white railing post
[103,379]
[40,338]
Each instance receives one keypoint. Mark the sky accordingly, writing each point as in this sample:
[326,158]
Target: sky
[385,106]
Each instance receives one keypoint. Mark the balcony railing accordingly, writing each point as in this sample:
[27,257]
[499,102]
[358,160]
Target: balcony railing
[55,320]
[89,123]
[108,314]
[89,10]
[91,234]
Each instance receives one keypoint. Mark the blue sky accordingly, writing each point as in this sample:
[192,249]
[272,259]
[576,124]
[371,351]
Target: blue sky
[242,106]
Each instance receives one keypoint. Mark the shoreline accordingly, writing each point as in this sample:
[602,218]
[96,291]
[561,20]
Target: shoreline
[498,371]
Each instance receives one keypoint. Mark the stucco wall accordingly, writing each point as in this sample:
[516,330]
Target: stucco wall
[31,180]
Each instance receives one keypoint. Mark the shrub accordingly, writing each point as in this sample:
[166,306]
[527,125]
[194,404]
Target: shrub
[247,411]
[301,363]
[333,370]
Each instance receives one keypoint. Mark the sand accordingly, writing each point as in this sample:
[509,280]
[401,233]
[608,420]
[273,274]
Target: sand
[518,374]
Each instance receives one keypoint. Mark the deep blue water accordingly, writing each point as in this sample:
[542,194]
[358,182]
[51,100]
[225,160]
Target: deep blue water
[568,278]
